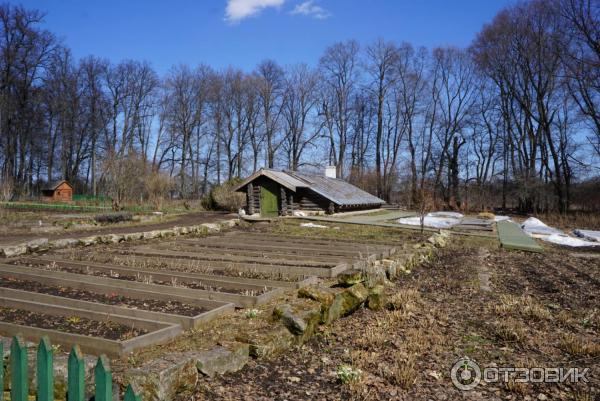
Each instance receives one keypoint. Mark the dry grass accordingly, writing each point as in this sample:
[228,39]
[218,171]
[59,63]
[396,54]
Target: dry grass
[404,300]
[402,372]
[575,345]
[590,221]
[583,395]
[525,306]
[510,330]
[516,387]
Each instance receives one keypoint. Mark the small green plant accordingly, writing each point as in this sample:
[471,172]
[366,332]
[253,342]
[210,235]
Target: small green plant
[252,313]
[348,374]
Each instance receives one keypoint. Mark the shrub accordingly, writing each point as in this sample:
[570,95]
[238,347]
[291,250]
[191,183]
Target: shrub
[110,218]
[224,197]
[158,186]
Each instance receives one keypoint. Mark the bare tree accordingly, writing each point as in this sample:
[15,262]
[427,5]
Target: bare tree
[300,102]
[339,68]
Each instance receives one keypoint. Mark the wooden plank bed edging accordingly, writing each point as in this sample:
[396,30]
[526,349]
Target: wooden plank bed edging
[56,279]
[199,276]
[93,345]
[203,298]
[155,274]
[187,322]
[148,251]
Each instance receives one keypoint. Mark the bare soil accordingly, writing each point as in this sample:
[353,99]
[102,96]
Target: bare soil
[74,325]
[152,305]
[147,278]
[539,311]
[112,255]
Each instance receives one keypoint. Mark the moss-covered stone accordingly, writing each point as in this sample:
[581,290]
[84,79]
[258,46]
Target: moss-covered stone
[301,318]
[323,295]
[350,277]
[346,302]
[376,299]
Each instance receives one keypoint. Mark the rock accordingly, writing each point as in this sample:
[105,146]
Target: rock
[181,230]
[151,234]
[294,323]
[350,277]
[63,243]
[222,360]
[133,236]
[200,229]
[87,241]
[211,227]
[40,244]
[167,233]
[229,223]
[268,343]
[346,302]
[375,274]
[111,238]
[324,296]
[300,319]
[376,299]
[165,378]
[15,250]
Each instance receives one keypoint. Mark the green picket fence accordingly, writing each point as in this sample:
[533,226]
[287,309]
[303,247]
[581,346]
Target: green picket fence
[19,380]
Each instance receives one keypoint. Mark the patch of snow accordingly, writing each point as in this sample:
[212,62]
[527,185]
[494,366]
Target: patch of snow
[501,218]
[536,228]
[242,212]
[433,220]
[452,215]
[588,234]
[299,213]
[312,225]
[565,240]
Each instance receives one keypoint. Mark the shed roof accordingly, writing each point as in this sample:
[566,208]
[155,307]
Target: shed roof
[336,190]
[53,185]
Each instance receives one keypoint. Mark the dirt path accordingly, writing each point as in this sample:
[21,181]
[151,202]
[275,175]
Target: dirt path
[542,311]
[182,220]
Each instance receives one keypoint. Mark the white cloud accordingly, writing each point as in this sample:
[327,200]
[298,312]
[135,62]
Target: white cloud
[237,10]
[311,9]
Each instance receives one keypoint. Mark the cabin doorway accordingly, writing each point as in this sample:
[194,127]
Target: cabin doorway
[269,205]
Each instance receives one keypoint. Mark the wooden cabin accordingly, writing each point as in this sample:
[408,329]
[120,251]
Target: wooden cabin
[59,191]
[281,193]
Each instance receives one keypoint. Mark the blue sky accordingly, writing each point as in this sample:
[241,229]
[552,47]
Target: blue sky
[244,32]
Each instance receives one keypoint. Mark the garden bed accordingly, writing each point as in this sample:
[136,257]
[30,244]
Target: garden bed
[149,277]
[152,305]
[77,325]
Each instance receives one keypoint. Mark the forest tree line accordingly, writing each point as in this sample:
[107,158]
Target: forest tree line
[513,120]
